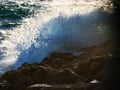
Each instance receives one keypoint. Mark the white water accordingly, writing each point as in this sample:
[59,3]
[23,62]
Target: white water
[62,24]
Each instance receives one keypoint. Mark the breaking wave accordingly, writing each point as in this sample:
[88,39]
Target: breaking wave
[32,30]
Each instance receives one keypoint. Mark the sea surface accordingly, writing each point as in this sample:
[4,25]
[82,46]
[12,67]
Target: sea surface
[30,30]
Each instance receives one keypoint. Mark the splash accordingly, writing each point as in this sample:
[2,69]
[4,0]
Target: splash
[57,25]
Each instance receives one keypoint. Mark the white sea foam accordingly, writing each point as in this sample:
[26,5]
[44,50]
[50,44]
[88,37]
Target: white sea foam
[53,27]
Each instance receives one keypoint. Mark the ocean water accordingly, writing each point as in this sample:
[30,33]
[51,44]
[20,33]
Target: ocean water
[30,30]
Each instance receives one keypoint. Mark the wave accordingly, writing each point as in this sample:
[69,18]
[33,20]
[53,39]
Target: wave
[52,26]
[12,15]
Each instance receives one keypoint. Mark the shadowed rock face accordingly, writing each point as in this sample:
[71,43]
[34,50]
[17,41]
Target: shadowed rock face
[62,70]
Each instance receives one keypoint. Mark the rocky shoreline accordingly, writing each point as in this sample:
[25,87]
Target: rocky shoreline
[62,71]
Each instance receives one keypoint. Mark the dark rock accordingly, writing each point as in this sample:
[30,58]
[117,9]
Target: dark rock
[5,85]
[27,75]
[66,76]
[36,73]
[63,69]
[58,59]
[93,68]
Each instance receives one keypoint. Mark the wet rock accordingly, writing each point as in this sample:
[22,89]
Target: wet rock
[63,70]
[27,75]
[58,59]
[5,85]
[65,76]
[37,73]
[57,87]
